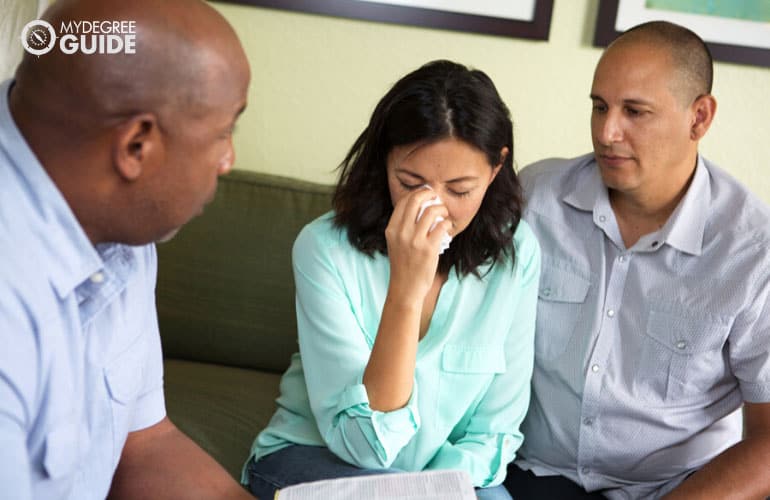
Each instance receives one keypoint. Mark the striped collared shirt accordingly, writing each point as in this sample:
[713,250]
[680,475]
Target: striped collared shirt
[644,355]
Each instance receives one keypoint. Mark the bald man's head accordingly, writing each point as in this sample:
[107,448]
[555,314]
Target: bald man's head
[689,56]
[135,141]
[181,48]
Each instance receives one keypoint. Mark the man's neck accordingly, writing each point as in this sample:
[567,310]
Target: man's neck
[643,212]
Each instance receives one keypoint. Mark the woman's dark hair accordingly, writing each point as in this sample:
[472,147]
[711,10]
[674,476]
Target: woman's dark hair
[440,100]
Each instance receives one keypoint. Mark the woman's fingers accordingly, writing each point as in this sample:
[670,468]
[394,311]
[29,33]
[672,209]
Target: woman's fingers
[408,207]
[436,235]
[413,247]
[429,218]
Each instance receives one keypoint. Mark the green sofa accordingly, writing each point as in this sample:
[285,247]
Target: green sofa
[225,300]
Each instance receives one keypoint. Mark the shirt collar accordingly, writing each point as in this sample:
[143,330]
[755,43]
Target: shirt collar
[684,228]
[588,188]
[71,255]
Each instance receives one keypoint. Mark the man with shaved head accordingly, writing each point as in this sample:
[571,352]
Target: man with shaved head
[101,155]
[653,319]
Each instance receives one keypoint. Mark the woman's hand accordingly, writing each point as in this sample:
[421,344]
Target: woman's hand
[413,248]
[413,252]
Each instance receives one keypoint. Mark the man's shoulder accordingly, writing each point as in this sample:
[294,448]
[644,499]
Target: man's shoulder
[551,174]
[736,210]
[22,211]
[23,267]
[554,167]
[22,308]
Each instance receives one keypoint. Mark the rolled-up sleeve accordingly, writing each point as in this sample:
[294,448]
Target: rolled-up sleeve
[335,351]
[492,435]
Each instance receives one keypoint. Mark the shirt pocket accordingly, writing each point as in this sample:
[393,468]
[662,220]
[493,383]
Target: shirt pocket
[683,356]
[561,298]
[124,374]
[124,377]
[466,372]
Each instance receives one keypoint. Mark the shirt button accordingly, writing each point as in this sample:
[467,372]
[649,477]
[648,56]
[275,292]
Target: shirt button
[585,470]
[681,344]
[611,313]
[546,292]
[588,421]
[595,368]
[97,278]
[602,218]
[654,244]
[622,258]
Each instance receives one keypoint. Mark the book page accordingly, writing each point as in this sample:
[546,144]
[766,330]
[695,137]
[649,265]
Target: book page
[428,485]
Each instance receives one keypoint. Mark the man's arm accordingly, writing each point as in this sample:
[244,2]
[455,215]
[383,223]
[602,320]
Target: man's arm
[160,462]
[740,472]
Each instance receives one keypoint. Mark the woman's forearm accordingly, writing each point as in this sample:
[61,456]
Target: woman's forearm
[389,375]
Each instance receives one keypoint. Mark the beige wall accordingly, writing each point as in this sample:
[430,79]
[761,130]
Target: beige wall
[316,80]
[15,14]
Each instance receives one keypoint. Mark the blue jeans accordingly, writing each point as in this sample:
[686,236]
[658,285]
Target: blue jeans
[300,464]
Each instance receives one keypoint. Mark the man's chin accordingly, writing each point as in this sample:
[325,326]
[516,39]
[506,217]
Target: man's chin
[168,236]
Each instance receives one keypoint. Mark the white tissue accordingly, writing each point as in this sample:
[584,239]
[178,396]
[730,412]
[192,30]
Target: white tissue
[446,240]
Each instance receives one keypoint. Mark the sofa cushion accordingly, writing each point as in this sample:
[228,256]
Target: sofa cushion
[219,407]
[225,288]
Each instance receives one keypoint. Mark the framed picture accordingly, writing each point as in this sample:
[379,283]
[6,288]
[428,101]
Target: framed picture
[734,31]
[514,18]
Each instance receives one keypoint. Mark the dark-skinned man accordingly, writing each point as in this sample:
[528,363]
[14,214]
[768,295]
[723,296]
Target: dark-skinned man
[101,156]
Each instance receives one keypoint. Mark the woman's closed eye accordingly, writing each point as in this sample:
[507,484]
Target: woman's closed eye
[459,193]
[409,187]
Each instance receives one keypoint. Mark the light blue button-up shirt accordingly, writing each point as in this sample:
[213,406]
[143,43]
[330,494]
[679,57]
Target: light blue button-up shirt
[80,359]
[644,354]
[473,367]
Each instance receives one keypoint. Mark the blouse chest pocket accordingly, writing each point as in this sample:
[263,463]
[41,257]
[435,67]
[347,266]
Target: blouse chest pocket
[466,372]
[683,355]
[560,305]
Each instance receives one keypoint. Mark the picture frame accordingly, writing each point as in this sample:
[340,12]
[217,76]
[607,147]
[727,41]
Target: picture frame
[441,14]
[728,39]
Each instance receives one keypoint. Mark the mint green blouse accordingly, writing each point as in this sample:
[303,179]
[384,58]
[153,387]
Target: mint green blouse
[472,378]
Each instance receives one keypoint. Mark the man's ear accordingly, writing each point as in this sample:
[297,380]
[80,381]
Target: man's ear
[704,108]
[137,145]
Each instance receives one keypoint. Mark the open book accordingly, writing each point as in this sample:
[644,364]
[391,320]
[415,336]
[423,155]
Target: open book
[428,485]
